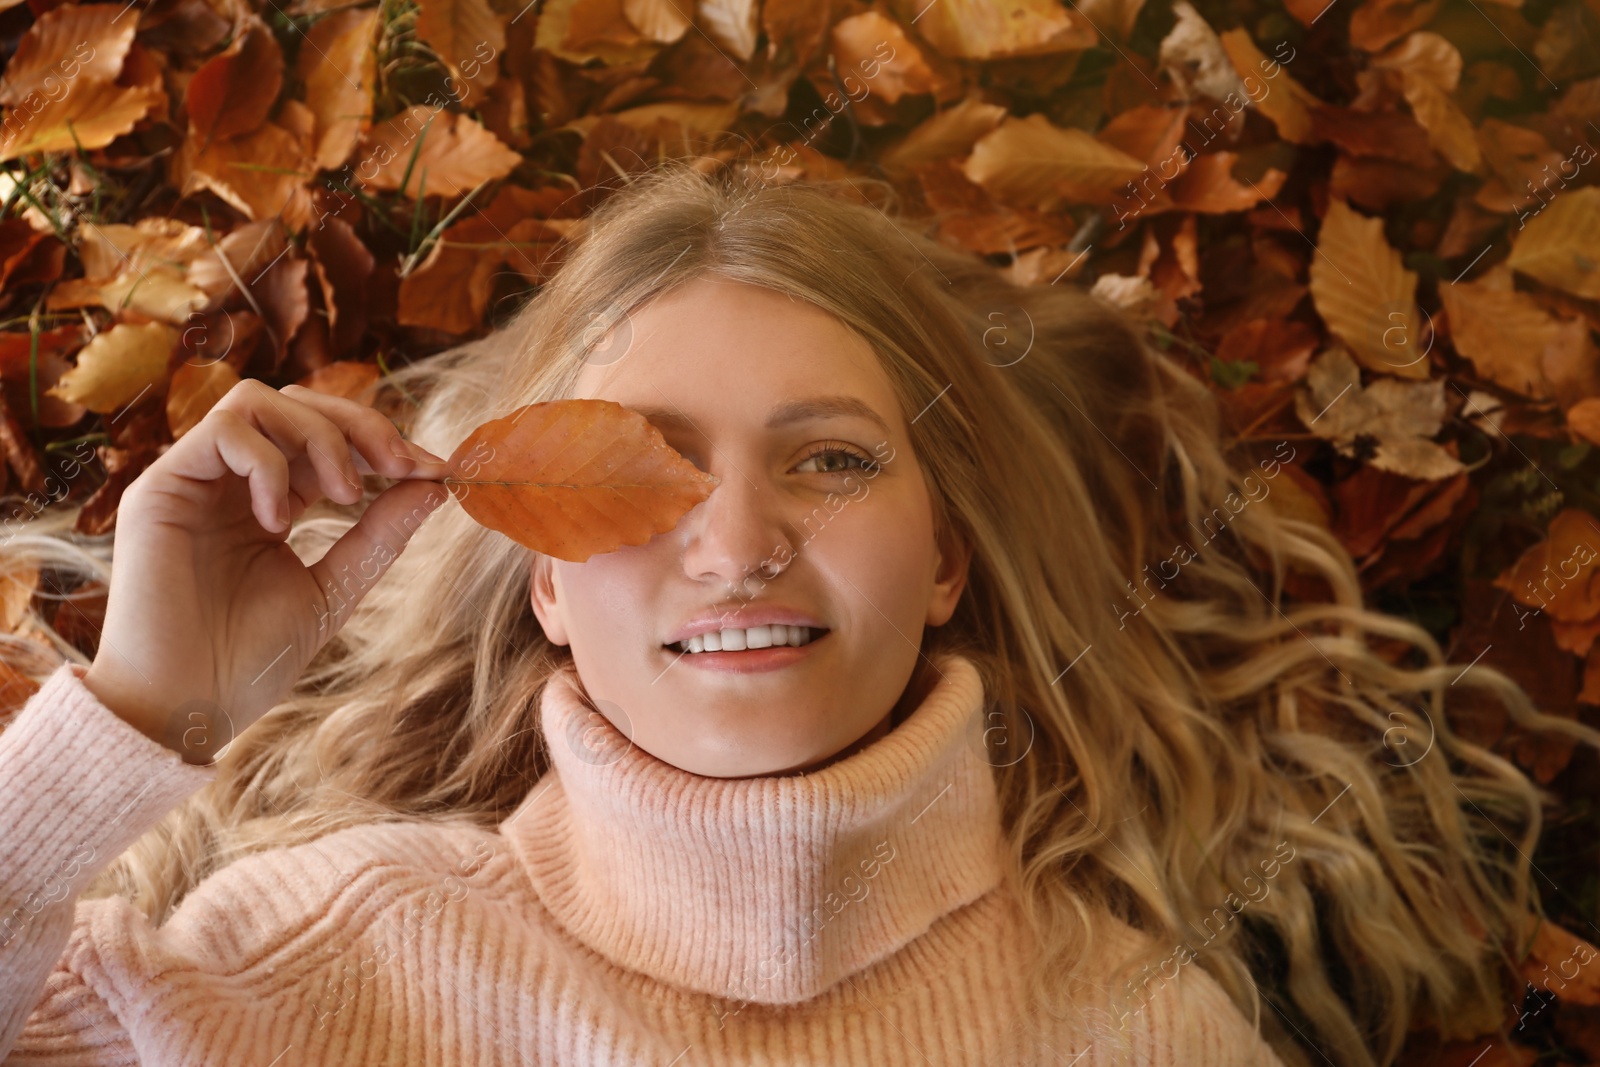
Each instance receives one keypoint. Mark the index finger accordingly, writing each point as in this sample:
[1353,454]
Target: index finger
[377,446]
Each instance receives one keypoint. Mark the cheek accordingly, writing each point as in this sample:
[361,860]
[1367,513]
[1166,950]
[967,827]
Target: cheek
[877,553]
[600,599]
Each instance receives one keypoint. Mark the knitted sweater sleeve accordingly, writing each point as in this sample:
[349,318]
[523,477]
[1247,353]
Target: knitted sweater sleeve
[78,785]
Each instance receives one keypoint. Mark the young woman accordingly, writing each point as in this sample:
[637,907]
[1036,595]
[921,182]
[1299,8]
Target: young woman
[960,724]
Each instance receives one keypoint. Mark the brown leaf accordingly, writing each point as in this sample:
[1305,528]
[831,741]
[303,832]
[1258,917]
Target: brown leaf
[1032,162]
[574,478]
[1208,186]
[733,23]
[347,378]
[467,35]
[1283,100]
[659,20]
[948,133]
[28,256]
[1366,296]
[343,265]
[53,345]
[581,30]
[239,257]
[1282,349]
[1430,69]
[194,390]
[1561,574]
[92,115]
[262,173]
[1506,335]
[339,51]
[65,44]
[1555,950]
[1377,23]
[233,93]
[873,56]
[456,153]
[1397,417]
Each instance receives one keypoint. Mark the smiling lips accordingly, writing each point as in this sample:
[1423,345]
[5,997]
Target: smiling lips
[737,639]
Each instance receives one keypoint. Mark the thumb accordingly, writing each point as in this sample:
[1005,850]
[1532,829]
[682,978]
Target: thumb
[354,563]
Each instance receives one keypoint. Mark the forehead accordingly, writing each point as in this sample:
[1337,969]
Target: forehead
[714,345]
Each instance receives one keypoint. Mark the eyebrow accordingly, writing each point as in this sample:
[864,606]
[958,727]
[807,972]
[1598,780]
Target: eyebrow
[785,414]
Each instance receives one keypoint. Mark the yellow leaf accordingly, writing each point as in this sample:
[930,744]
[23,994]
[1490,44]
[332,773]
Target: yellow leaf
[157,293]
[1285,101]
[1429,67]
[1366,296]
[979,29]
[948,133]
[734,23]
[98,112]
[117,366]
[1030,161]
[659,20]
[1505,334]
[1561,245]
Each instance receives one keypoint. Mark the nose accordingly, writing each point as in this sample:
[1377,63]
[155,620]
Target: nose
[736,533]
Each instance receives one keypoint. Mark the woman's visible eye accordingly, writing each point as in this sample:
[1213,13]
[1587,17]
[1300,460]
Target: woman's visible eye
[839,448]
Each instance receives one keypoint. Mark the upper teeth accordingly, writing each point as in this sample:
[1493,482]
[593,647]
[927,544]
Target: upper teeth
[734,640]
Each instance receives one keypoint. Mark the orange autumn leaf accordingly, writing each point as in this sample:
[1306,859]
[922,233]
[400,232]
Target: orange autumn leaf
[1507,335]
[1561,574]
[88,41]
[234,91]
[194,390]
[456,153]
[467,35]
[347,378]
[1557,962]
[574,478]
[338,65]
[1285,101]
[977,29]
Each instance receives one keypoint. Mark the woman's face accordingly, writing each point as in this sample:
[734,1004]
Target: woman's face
[735,377]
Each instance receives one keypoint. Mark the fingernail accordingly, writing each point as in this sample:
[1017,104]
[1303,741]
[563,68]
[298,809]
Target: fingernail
[423,453]
[407,450]
[283,513]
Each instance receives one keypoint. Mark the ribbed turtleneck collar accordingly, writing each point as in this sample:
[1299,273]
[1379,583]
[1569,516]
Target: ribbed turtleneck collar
[764,889]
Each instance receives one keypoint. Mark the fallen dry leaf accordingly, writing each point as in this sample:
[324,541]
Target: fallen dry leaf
[974,29]
[194,390]
[1030,161]
[1397,417]
[455,155]
[1559,246]
[1366,296]
[339,67]
[118,365]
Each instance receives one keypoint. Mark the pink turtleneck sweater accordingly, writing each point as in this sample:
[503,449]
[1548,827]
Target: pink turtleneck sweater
[628,912]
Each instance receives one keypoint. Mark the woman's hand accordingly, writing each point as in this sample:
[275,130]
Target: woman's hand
[211,617]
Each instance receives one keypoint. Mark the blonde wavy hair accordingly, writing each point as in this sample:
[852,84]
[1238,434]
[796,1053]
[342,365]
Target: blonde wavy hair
[1172,753]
